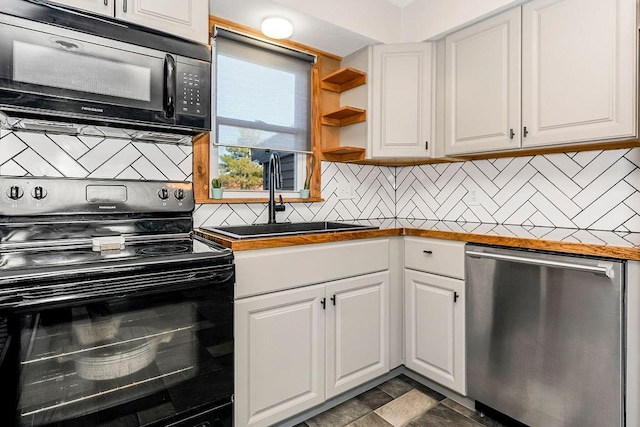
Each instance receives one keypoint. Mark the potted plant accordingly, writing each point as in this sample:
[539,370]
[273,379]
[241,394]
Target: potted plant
[304,193]
[216,188]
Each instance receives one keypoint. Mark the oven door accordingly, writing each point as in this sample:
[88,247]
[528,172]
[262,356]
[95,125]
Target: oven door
[152,348]
[47,68]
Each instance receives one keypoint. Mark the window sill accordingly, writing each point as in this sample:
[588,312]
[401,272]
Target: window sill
[255,200]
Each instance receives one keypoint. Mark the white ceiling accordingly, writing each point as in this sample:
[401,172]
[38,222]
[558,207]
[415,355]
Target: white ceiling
[307,29]
[400,3]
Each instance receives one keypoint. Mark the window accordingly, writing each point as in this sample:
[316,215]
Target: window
[262,103]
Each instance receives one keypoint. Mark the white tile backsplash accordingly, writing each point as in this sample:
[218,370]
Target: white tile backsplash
[595,190]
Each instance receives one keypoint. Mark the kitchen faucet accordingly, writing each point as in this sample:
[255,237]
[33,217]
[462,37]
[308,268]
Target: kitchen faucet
[275,181]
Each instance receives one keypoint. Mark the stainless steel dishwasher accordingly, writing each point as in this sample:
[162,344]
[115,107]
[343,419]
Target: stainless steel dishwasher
[545,336]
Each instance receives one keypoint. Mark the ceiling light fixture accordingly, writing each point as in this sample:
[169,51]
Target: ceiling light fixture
[277,28]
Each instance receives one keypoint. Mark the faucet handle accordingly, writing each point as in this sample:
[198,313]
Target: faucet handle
[280,207]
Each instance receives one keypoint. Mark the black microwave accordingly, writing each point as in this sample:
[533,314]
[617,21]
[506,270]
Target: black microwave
[73,67]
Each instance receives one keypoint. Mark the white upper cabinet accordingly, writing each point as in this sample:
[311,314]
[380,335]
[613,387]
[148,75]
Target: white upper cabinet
[402,100]
[579,70]
[573,62]
[102,7]
[482,93]
[398,98]
[186,18]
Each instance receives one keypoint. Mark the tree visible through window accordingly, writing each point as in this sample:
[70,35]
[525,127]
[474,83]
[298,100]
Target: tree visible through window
[238,171]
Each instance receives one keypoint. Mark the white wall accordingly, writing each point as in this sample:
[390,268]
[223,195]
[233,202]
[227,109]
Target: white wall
[432,19]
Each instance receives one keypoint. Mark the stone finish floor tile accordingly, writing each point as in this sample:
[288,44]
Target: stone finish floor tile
[374,398]
[370,420]
[341,415]
[408,406]
[423,388]
[400,402]
[442,416]
[395,387]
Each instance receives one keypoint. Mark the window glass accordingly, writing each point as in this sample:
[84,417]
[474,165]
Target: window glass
[262,104]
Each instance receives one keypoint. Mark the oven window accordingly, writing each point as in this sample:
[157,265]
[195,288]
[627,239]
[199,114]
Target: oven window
[46,66]
[127,361]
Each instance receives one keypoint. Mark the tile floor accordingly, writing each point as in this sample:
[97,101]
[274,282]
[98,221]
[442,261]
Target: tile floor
[400,401]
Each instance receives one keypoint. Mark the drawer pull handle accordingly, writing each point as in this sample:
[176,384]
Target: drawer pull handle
[428,252]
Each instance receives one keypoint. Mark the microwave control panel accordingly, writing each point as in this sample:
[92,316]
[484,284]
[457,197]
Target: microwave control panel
[193,90]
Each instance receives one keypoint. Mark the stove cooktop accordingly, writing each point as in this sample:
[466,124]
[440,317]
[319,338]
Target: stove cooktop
[70,256]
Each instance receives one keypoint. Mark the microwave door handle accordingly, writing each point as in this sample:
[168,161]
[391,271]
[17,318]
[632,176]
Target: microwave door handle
[169,86]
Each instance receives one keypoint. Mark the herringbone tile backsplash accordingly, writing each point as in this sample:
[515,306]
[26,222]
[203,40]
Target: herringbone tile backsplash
[24,154]
[597,190]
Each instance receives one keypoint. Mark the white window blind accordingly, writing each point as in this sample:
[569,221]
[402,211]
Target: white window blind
[262,94]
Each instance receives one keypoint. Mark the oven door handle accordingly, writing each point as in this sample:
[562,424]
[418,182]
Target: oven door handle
[55,294]
[10,300]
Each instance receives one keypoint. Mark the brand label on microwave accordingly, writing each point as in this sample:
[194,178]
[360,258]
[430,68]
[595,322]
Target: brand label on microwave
[92,109]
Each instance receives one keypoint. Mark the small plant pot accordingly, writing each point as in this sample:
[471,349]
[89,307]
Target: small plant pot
[216,193]
[304,193]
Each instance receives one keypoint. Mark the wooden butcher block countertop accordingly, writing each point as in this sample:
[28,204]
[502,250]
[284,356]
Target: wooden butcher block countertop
[621,245]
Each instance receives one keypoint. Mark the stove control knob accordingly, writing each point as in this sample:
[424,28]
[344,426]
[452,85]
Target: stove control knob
[180,194]
[14,192]
[39,193]
[163,193]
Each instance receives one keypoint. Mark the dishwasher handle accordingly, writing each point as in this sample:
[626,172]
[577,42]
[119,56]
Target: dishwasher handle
[604,269]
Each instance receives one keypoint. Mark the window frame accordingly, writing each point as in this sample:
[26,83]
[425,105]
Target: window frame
[202,145]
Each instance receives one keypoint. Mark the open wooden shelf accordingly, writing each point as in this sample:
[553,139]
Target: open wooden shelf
[344,116]
[343,79]
[344,154]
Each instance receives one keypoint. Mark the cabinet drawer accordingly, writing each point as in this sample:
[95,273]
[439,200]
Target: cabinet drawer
[268,270]
[434,256]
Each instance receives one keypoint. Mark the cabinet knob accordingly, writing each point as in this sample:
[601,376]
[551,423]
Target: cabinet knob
[525,132]
[511,134]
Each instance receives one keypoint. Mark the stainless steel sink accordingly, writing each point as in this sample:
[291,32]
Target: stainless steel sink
[285,229]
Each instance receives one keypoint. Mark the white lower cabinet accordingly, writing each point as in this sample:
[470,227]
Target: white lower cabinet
[279,348]
[297,348]
[357,331]
[435,328]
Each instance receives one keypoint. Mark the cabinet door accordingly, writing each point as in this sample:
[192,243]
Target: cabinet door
[401,122]
[279,353]
[186,18]
[102,7]
[357,331]
[579,70]
[482,89]
[435,329]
